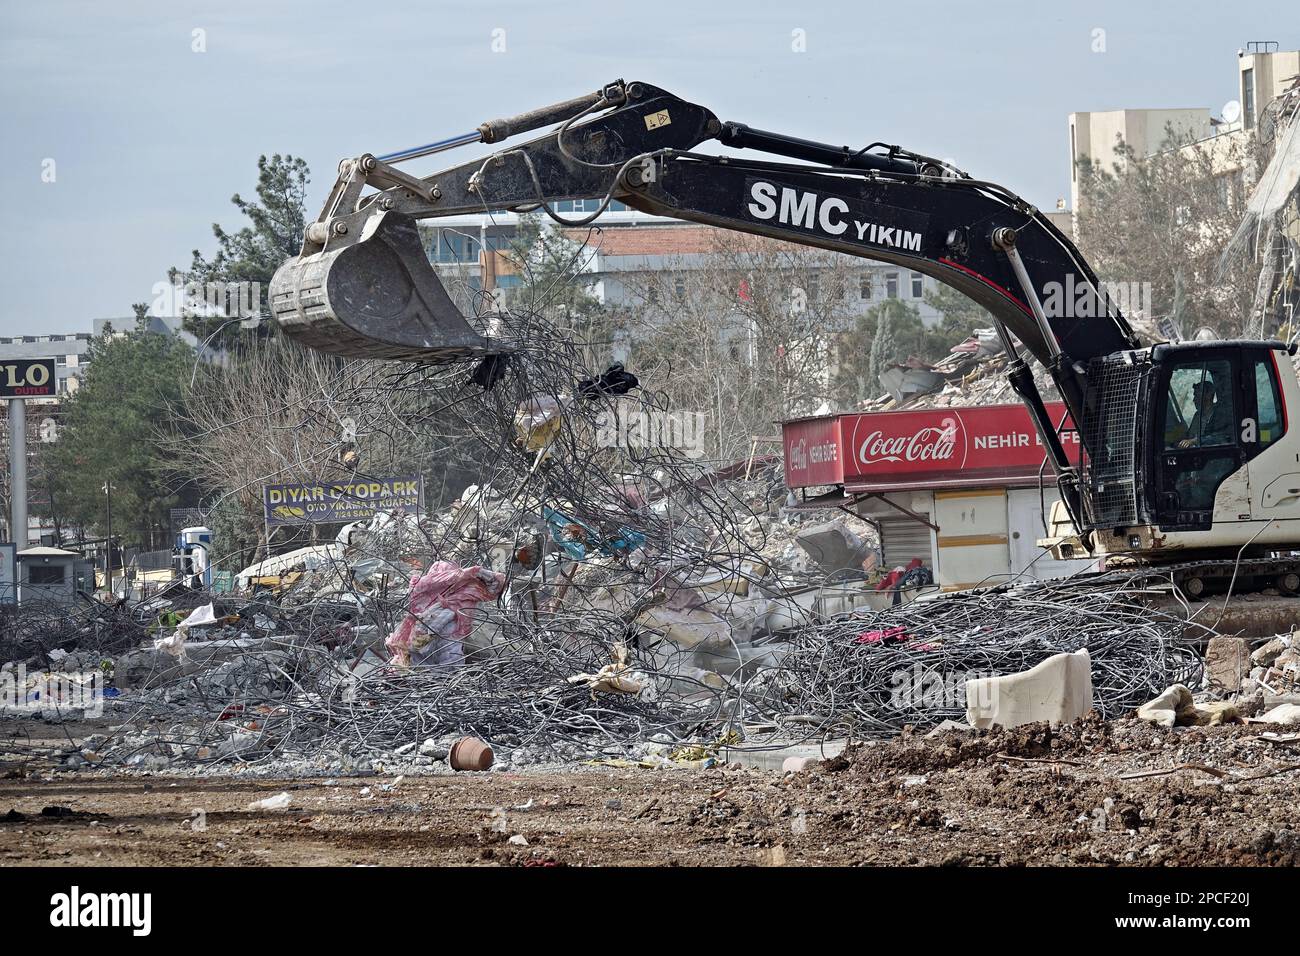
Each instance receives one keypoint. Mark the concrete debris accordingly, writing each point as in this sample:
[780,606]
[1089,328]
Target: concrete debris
[1164,709]
[1281,714]
[280,801]
[1227,663]
[974,372]
[1268,653]
[1058,690]
[1176,707]
[834,546]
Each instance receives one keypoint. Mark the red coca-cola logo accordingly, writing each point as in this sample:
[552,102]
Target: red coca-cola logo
[927,443]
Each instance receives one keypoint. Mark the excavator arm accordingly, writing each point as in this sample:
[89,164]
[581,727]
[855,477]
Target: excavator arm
[363,284]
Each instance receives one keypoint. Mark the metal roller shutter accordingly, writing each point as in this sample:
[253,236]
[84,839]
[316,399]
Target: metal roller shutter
[902,539]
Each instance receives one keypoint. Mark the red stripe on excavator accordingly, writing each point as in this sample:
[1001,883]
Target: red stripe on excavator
[988,282]
[1277,377]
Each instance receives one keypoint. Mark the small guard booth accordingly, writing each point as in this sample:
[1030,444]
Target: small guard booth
[966,490]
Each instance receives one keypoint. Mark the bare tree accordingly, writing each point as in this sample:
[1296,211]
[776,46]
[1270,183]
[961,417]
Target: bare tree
[1161,223]
[745,333]
[279,413]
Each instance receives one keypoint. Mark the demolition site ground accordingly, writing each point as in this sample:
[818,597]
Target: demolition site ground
[1121,792]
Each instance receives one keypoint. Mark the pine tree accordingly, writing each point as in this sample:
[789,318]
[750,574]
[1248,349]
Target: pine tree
[883,346]
[252,253]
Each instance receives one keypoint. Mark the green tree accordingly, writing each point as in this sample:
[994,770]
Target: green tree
[112,431]
[252,253]
[883,346]
[550,271]
[961,317]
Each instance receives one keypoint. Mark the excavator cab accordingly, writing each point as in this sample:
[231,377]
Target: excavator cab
[1188,438]
[1222,408]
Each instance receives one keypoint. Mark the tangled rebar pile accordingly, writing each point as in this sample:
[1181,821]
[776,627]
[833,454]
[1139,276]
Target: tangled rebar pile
[37,627]
[910,665]
[862,675]
[287,700]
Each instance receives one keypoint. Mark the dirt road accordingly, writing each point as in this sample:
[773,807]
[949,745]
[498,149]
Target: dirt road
[1029,796]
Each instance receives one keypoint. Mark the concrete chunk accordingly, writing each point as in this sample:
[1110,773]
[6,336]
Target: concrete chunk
[1227,663]
[1164,709]
[1058,690]
[1175,707]
[1269,652]
[833,545]
[1281,714]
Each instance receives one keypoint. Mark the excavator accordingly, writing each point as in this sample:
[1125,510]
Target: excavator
[1188,463]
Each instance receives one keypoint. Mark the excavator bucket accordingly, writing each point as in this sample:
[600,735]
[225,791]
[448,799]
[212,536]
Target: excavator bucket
[374,295]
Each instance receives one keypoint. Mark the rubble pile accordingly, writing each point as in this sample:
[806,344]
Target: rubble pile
[974,372]
[910,665]
[587,599]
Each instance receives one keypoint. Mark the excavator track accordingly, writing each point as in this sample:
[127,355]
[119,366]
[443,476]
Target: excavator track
[1196,579]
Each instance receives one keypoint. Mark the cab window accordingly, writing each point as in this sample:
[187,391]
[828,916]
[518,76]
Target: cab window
[1268,404]
[1201,410]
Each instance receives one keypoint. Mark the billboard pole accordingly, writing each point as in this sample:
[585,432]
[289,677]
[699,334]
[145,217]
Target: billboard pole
[18,472]
[21,379]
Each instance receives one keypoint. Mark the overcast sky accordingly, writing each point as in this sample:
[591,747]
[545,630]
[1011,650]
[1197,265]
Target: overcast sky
[150,139]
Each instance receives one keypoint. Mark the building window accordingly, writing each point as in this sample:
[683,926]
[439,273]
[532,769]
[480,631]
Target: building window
[891,285]
[814,286]
[864,287]
[586,205]
[679,289]
[918,286]
[455,247]
[45,574]
[1248,98]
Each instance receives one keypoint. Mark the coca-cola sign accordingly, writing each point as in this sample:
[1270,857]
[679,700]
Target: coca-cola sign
[929,443]
[813,453]
[925,448]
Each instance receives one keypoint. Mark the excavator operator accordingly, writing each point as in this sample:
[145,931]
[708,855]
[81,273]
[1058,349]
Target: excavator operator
[1212,423]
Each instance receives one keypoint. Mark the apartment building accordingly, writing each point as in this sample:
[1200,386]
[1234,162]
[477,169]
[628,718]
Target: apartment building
[625,244]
